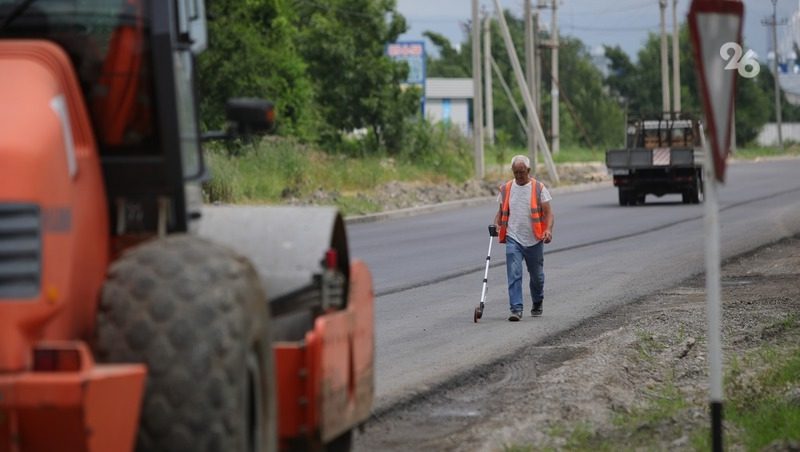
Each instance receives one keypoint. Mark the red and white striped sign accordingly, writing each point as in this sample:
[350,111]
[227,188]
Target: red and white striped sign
[661,157]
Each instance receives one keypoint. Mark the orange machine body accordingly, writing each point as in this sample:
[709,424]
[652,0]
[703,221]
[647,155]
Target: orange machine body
[325,383]
[50,171]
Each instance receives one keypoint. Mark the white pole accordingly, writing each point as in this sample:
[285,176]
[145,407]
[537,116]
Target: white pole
[676,62]
[554,88]
[477,99]
[713,296]
[530,73]
[526,94]
[775,73]
[664,63]
[487,78]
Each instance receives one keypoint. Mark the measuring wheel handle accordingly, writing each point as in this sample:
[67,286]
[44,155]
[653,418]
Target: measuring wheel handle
[493,230]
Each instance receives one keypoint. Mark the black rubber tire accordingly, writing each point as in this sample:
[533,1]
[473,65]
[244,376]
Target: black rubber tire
[624,197]
[698,190]
[690,196]
[196,314]
[342,443]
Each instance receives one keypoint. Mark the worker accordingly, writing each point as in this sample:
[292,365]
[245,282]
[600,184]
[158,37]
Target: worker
[525,222]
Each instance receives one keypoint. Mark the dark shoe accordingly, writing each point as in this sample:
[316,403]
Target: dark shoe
[515,317]
[537,310]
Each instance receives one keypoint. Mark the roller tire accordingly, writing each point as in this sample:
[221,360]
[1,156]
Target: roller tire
[195,313]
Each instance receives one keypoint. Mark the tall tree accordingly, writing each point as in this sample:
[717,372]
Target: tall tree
[640,84]
[451,63]
[358,86]
[588,114]
[267,64]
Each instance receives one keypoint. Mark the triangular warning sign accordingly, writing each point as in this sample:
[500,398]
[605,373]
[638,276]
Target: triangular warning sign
[714,24]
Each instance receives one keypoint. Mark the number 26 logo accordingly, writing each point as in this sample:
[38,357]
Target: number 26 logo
[747,66]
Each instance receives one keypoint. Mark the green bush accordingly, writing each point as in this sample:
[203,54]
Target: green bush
[438,147]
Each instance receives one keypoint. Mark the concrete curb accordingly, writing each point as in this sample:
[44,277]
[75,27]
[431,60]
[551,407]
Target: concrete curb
[449,205]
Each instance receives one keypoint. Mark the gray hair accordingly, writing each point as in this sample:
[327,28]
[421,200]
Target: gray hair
[521,158]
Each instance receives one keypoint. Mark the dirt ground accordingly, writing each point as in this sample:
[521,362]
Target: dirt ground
[602,380]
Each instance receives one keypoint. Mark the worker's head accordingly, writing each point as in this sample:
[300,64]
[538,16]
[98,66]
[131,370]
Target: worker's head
[521,167]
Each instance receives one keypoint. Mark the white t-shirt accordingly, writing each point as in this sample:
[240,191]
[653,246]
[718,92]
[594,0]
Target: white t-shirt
[519,217]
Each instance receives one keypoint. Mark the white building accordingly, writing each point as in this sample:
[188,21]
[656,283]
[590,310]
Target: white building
[449,100]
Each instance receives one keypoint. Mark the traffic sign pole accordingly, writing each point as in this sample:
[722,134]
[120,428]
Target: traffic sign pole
[713,300]
[713,25]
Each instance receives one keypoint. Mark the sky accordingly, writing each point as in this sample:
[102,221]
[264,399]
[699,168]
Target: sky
[596,22]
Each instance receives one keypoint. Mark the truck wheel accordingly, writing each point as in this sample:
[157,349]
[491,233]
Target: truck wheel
[698,190]
[624,197]
[196,315]
[691,196]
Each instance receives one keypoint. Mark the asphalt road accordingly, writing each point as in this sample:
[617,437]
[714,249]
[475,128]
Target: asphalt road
[428,270]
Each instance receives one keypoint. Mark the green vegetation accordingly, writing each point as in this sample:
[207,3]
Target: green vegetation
[752,153]
[647,345]
[762,405]
[277,169]
[342,113]
[322,63]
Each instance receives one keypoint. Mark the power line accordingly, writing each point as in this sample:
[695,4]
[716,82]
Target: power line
[611,29]
[600,12]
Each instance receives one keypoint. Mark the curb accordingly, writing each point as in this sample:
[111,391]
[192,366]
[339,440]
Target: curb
[449,205]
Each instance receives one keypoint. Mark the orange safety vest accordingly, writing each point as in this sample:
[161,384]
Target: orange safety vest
[537,214]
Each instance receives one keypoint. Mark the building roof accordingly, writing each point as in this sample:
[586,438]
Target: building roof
[448,88]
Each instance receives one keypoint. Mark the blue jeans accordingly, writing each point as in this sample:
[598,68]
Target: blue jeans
[534,260]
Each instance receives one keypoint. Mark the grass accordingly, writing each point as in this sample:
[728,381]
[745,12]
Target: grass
[647,345]
[277,169]
[753,152]
[567,154]
[757,411]
[763,414]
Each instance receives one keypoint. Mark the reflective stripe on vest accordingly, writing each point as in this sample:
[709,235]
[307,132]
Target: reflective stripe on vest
[537,214]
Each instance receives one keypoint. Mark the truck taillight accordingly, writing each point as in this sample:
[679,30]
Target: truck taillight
[331,259]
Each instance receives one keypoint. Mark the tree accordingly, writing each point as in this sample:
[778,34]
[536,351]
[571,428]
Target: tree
[451,63]
[358,86]
[640,84]
[596,114]
[267,64]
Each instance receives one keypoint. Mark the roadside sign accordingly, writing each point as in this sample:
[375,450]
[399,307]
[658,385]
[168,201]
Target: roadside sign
[713,25]
[413,54]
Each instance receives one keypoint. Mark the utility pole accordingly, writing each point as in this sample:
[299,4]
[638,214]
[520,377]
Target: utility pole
[526,95]
[477,97]
[487,77]
[554,86]
[676,65]
[664,63]
[537,67]
[530,74]
[774,24]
